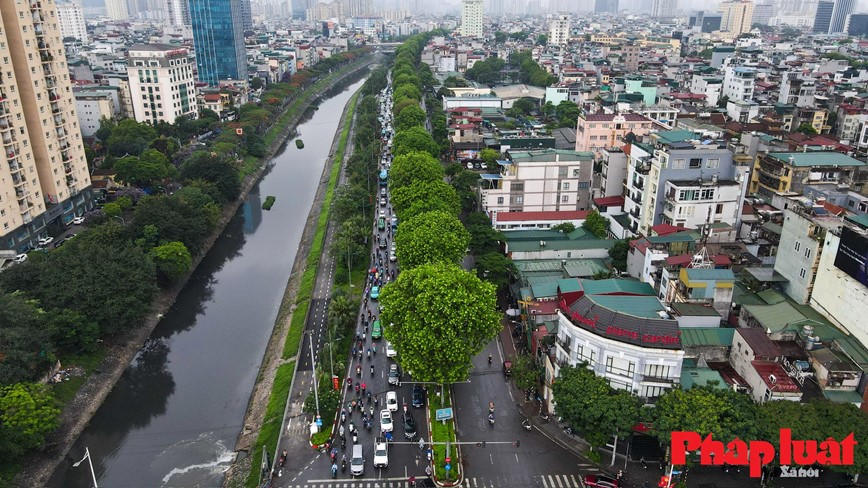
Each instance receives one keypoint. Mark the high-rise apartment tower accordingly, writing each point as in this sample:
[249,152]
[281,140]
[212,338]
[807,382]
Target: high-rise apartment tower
[840,11]
[823,17]
[161,83]
[736,16]
[218,38]
[471,18]
[663,9]
[117,9]
[71,19]
[44,180]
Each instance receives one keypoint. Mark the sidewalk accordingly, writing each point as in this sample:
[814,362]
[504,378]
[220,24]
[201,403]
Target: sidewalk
[633,473]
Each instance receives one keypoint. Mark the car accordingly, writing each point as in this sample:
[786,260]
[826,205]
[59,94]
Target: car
[376,330]
[78,220]
[381,223]
[394,375]
[383,243]
[381,454]
[382,202]
[418,399]
[600,481]
[45,241]
[386,424]
[390,351]
[70,236]
[357,462]
[20,258]
[392,249]
[409,426]
[382,214]
[375,292]
[392,401]
[59,243]
[382,192]
[392,257]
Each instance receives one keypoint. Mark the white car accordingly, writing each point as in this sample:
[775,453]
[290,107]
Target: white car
[44,241]
[386,421]
[383,213]
[390,351]
[20,258]
[78,220]
[392,401]
[392,257]
[381,454]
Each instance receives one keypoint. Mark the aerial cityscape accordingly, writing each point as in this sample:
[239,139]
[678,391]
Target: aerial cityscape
[474,243]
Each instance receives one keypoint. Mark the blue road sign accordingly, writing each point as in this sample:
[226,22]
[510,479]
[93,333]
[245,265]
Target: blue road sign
[444,413]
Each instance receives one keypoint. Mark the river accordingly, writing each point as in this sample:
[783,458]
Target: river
[174,416]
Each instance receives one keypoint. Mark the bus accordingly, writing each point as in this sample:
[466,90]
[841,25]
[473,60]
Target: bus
[384,176]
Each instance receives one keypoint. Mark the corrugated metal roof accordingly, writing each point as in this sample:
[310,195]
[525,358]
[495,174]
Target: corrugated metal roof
[776,317]
[815,158]
[691,377]
[854,350]
[772,296]
[843,396]
[637,306]
[610,320]
[707,336]
[710,274]
[569,284]
[564,245]
[615,285]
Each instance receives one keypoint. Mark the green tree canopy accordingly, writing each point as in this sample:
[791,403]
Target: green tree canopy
[407,92]
[146,170]
[431,237]
[618,254]
[173,260]
[484,238]
[587,402]
[806,128]
[495,268]
[565,227]
[27,414]
[412,116]
[596,224]
[567,114]
[425,196]
[175,220]
[486,71]
[414,139]
[414,167]
[490,157]
[27,350]
[220,171]
[438,317]
[130,138]
[705,410]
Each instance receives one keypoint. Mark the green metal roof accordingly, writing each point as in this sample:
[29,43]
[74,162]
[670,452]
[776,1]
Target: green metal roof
[818,158]
[564,245]
[584,268]
[861,220]
[683,236]
[691,377]
[694,309]
[773,227]
[569,284]
[742,296]
[544,286]
[708,274]
[776,317]
[533,235]
[636,306]
[706,336]
[673,136]
[854,350]
[615,285]
[842,396]
[545,155]
[772,296]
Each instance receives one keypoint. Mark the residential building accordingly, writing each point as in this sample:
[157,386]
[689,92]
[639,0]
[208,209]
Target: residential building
[622,332]
[537,220]
[614,172]
[178,12]
[471,18]
[738,83]
[823,17]
[161,81]
[850,119]
[705,286]
[796,90]
[841,282]
[790,172]
[663,9]
[800,249]
[595,132]
[218,39]
[46,180]
[840,11]
[117,9]
[762,13]
[736,17]
[691,203]
[71,20]
[559,30]
[708,85]
[756,358]
[539,181]
[92,106]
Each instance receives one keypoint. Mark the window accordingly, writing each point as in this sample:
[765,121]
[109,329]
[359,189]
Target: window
[798,246]
[620,367]
[562,171]
[678,163]
[576,173]
[565,198]
[695,163]
[718,209]
[657,371]
[586,355]
[807,253]
[802,273]
[713,163]
[565,185]
[517,186]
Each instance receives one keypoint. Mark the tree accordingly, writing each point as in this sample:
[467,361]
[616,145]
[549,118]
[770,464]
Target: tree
[722,101]
[484,238]
[490,157]
[431,237]
[257,83]
[495,268]
[27,348]
[500,37]
[342,312]
[486,71]
[412,116]
[112,210]
[146,170]
[414,167]
[72,331]
[220,171]
[439,316]
[596,224]
[618,254]
[405,92]
[175,219]
[454,82]
[542,40]
[425,196]
[564,228]
[465,183]
[414,139]
[173,260]
[165,145]
[806,128]
[590,405]
[106,126]
[27,414]
[130,138]
[567,113]
[526,373]
[705,409]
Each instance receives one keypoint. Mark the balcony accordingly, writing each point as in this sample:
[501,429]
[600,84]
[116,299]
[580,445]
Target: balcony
[64,156]
[643,167]
[638,184]
[37,17]
[61,132]
[17,180]
[67,168]
[669,205]
[635,212]
[8,139]
[35,4]
[563,344]
[636,197]
[55,108]
[53,96]
[657,379]
[49,82]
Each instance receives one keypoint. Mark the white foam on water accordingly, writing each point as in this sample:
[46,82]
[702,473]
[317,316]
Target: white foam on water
[220,458]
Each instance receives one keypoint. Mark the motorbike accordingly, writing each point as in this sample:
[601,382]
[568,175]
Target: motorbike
[491,419]
[343,417]
[343,465]
[372,370]
[355,437]
[526,424]
[282,460]
[334,470]
[358,370]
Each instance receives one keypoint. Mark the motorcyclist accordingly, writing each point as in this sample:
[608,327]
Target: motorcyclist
[344,463]
[489,358]
[491,418]
[334,470]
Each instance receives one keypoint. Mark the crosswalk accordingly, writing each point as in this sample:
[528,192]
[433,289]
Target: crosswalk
[545,481]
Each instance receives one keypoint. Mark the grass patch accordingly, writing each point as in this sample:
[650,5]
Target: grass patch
[65,391]
[441,432]
[250,166]
[270,429]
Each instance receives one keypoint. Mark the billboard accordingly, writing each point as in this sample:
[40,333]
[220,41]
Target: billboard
[852,257]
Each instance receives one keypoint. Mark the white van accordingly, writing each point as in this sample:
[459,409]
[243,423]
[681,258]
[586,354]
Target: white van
[357,463]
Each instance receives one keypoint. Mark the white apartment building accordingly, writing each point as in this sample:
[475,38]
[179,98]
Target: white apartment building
[796,90]
[736,16]
[471,18]
[559,31]
[91,106]
[540,180]
[71,20]
[178,12]
[738,83]
[161,83]
[663,8]
[710,86]
[691,203]
[117,9]
[45,180]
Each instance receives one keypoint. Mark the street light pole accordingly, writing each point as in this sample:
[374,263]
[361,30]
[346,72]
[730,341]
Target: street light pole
[90,463]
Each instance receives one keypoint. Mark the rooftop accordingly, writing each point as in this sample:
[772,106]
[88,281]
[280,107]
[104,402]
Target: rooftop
[707,336]
[691,377]
[610,117]
[817,158]
[551,215]
[759,341]
[775,377]
[548,155]
[615,286]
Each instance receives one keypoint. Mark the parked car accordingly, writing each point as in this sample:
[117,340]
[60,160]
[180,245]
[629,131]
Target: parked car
[392,257]
[390,351]
[600,481]
[392,401]
[418,400]
[78,220]
[20,258]
[45,241]
[375,292]
[381,454]
[386,424]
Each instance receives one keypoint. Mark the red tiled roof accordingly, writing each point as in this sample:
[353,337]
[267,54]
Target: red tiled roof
[782,381]
[759,342]
[610,117]
[551,215]
[665,229]
[615,201]
[680,260]
[727,372]
[721,260]
[833,209]
[212,97]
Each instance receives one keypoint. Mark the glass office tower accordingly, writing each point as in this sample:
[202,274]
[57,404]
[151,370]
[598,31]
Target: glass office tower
[218,38]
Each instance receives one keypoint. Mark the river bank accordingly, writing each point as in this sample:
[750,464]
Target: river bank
[122,349]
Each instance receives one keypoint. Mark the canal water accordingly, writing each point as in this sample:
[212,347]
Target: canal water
[173,418]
